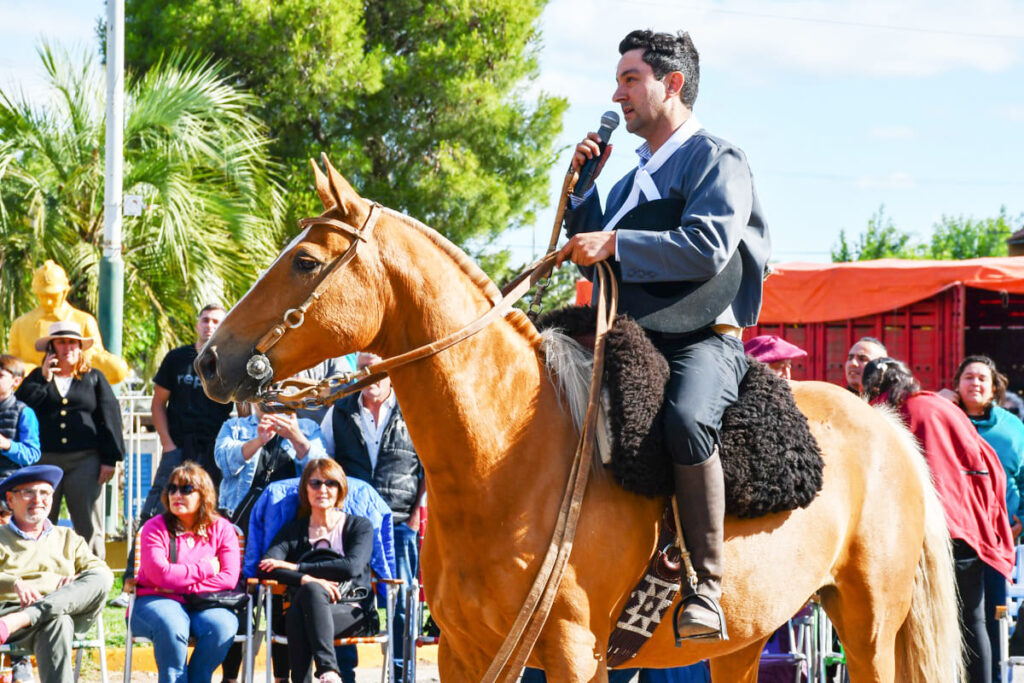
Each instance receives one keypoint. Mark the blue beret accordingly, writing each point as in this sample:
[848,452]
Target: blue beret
[26,475]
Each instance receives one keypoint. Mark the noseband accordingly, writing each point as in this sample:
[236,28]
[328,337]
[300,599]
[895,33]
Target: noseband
[259,366]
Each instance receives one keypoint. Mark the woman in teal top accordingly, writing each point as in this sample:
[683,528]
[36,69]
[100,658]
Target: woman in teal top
[980,389]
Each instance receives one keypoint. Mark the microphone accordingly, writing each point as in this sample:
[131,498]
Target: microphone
[609,122]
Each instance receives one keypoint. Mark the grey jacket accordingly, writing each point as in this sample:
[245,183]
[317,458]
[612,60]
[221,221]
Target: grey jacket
[722,215]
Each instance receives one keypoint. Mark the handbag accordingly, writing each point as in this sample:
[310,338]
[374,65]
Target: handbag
[231,599]
[350,592]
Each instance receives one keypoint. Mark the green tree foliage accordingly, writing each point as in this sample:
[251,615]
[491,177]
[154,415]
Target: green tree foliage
[194,153]
[880,240]
[951,239]
[960,238]
[422,105]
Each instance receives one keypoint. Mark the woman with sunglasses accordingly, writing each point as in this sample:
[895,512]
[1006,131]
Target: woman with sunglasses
[187,549]
[312,555]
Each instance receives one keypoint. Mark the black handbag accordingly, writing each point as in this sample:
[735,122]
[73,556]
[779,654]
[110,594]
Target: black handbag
[230,599]
[350,592]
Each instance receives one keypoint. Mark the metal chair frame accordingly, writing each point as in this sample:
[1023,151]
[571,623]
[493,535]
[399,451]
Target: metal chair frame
[78,644]
[1008,615]
[413,637]
[269,588]
[131,639]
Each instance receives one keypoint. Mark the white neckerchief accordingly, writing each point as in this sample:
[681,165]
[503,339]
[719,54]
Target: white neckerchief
[642,181]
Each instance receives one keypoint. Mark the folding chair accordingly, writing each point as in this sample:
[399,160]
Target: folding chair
[1008,615]
[268,589]
[79,644]
[130,639]
[789,653]
[415,635]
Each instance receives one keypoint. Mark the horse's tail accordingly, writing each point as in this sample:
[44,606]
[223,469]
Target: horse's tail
[929,645]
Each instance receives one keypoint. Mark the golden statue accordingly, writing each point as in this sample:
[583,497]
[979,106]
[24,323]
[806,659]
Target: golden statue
[50,285]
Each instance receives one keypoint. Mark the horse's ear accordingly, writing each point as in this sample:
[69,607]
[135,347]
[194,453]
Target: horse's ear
[323,186]
[348,200]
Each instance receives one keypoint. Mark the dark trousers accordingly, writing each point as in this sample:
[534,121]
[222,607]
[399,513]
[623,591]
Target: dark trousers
[313,623]
[995,594]
[970,580]
[705,370]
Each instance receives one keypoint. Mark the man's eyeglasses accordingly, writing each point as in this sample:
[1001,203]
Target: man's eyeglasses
[29,494]
[317,484]
[183,489]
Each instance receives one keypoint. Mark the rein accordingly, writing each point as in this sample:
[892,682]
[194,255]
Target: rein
[300,393]
[297,393]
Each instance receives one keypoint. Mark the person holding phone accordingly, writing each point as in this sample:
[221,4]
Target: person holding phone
[79,427]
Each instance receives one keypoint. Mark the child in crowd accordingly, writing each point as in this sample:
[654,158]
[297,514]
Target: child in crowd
[19,428]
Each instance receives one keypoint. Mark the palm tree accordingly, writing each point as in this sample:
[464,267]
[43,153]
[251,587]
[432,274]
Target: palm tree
[192,150]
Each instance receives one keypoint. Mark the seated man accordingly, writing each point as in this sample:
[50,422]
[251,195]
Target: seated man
[51,585]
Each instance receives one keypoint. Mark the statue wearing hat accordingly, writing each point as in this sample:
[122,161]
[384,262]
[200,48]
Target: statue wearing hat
[50,285]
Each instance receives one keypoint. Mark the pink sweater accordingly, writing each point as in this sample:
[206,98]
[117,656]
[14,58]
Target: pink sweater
[194,571]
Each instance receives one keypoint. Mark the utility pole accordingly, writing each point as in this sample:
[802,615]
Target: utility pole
[111,302]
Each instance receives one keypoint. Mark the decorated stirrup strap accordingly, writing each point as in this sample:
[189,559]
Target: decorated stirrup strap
[712,605]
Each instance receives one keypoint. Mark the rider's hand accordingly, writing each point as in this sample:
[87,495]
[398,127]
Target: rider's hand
[587,248]
[588,148]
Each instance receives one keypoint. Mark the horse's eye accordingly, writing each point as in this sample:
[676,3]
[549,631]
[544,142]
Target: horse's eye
[306,264]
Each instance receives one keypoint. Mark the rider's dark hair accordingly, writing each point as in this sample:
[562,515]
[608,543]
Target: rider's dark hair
[890,380]
[666,53]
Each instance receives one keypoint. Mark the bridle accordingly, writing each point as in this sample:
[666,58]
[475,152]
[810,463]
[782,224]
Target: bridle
[298,393]
[259,366]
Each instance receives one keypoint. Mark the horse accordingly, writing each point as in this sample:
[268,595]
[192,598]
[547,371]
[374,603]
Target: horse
[489,422]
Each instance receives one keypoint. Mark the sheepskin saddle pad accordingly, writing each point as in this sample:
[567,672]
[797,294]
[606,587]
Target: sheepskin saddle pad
[770,459]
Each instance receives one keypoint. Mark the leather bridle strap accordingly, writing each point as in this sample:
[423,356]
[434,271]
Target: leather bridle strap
[377,371]
[518,644]
[294,317]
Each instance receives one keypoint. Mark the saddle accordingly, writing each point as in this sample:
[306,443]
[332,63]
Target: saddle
[770,459]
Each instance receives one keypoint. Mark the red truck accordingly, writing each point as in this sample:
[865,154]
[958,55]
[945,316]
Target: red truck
[929,314]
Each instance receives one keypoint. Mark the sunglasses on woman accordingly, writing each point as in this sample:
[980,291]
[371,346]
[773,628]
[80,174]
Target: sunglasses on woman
[183,489]
[317,484]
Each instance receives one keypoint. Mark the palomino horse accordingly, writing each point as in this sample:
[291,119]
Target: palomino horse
[495,441]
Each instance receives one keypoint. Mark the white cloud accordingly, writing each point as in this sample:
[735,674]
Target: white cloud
[812,36]
[891,132]
[897,180]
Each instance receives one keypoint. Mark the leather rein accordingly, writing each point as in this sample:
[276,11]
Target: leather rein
[297,393]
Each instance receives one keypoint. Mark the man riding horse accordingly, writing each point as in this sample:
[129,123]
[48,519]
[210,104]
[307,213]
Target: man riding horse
[688,213]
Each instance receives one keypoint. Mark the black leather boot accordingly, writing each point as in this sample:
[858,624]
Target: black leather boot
[700,495]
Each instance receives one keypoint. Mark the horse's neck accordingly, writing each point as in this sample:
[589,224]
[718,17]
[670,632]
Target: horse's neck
[482,413]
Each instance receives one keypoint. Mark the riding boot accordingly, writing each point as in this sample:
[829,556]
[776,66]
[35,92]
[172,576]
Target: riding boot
[700,494]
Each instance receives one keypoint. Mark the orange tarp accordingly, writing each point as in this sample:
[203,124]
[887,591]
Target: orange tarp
[816,292]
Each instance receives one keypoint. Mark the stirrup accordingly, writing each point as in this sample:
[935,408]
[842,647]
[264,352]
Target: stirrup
[721,634]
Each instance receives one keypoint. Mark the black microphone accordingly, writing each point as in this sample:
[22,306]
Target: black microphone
[609,122]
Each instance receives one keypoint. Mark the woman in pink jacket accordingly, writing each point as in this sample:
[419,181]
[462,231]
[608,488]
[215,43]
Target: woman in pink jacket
[187,550]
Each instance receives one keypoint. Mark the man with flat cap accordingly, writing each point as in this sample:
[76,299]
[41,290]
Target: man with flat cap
[51,585]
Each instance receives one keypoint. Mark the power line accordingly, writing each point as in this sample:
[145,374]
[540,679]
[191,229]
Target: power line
[836,22]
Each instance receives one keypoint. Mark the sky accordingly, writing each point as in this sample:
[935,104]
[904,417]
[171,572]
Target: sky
[841,107]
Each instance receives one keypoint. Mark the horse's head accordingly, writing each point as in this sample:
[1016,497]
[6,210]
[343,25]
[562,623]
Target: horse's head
[291,318]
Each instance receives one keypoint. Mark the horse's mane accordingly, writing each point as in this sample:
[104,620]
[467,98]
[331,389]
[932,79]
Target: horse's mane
[477,276]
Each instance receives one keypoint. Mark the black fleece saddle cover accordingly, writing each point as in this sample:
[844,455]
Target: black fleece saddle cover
[770,459]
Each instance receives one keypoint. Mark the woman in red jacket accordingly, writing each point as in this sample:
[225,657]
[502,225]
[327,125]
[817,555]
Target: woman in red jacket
[971,485]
